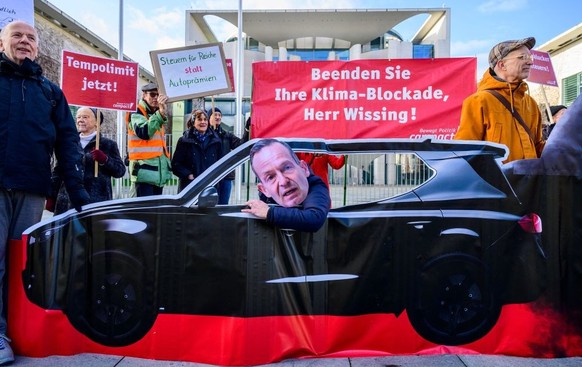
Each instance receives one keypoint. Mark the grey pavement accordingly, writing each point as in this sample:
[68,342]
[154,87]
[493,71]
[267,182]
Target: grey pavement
[441,360]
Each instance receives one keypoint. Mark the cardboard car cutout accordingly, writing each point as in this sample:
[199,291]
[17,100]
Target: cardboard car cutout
[449,253]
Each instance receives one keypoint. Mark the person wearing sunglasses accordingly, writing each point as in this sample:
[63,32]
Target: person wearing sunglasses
[502,111]
[149,159]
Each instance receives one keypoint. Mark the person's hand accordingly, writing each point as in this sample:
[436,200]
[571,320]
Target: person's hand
[99,156]
[163,105]
[79,198]
[50,204]
[257,207]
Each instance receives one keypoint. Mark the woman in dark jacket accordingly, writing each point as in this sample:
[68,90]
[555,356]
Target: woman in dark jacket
[197,150]
[108,160]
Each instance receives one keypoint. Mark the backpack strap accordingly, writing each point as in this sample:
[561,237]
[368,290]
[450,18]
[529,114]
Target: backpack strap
[515,114]
[47,90]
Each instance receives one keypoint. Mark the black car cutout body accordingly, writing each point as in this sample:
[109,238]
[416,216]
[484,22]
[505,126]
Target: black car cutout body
[450,252]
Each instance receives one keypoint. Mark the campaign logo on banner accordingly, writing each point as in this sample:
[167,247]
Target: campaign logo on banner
[99,82]
[542,71]
[405,98]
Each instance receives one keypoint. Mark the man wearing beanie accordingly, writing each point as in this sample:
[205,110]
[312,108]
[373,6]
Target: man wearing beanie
[502,111]
[229,142]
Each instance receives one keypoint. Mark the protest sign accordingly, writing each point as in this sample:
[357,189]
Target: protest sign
[192,71]
[16,9]
[99,82]
[542,71]
[406,98]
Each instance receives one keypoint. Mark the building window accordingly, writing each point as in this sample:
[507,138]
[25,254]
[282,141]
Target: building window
[571,88]
[253,44]
[422,51]
[377,43]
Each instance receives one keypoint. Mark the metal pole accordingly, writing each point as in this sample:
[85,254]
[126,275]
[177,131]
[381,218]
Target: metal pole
[548,111]
[120,119]
[239,73]
[239,121]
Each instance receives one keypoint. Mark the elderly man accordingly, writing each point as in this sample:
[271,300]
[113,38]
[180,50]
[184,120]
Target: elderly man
[36,121]
[501,111]
[303,197]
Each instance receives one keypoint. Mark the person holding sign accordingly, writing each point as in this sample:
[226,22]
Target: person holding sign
[149,160]
[109,163]
[501,111]
[36,122]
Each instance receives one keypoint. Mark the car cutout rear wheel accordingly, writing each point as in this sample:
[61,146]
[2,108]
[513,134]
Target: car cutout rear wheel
[454,301]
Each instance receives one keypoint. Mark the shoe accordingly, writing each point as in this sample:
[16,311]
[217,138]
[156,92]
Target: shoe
[6,354]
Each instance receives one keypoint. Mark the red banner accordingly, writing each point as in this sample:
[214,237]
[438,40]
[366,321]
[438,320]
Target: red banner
[542,71]
[99,82]
[416,98]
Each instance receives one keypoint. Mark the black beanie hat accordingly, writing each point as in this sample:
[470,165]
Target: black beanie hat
[99,118]
[556,109]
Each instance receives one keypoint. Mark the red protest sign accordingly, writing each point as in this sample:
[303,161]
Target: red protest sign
[99,82]
[407,98]
[542,71]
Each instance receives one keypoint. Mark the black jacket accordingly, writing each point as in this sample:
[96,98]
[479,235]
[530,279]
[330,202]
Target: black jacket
[99,188]
[35,121]
[310,216]
[194,157]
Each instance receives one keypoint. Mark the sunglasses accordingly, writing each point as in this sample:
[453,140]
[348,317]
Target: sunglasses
[153,94]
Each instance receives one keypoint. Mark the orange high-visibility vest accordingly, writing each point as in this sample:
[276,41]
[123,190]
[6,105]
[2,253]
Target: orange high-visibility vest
[140,149]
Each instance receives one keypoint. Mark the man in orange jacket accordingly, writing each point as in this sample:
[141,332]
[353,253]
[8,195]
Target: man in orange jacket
[484,116]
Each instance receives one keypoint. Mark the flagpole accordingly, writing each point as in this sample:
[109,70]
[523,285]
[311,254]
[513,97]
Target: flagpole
[239,74]
[239,121]
[120,119]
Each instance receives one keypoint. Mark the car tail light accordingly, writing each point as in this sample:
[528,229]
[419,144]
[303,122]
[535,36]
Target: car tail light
[531,223]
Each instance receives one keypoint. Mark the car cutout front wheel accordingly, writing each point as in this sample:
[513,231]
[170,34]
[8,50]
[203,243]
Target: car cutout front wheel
[113,306]
[453,301]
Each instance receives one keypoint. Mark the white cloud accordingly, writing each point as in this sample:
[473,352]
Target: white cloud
[492,6]
[470,48]
[169,42]
[482,63]
[101,28]
[170,18]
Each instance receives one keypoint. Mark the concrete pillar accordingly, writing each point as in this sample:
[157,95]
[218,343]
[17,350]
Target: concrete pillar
[355,52]
[268,53]
[282,54]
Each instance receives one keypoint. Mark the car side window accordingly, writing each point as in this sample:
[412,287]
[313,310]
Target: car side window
[371,177]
